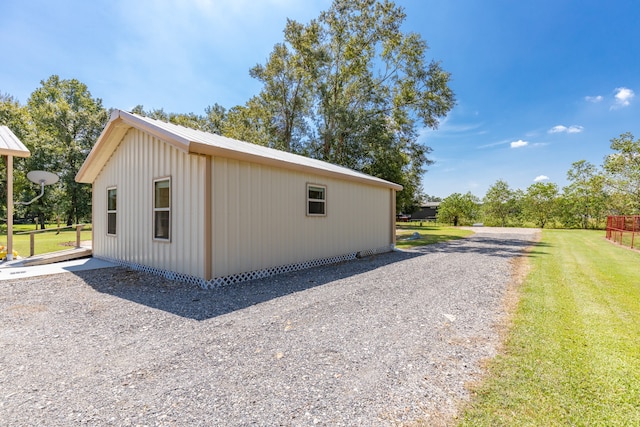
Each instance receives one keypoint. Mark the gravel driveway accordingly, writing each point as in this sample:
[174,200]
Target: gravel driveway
[386,340]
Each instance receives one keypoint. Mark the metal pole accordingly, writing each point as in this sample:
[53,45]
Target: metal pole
[9,207]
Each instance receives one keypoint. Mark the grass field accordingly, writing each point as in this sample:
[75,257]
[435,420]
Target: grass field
[49,241]
[429,233]
[572,356]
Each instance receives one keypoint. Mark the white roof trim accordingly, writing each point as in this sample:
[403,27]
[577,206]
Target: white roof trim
[195,141]
[10,145]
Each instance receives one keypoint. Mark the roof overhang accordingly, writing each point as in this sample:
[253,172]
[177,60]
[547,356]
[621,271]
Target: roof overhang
[118,125]
[121,121]
[10,145]
[198,148]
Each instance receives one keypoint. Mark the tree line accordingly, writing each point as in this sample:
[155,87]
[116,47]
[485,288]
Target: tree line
[59,125]
[349,87]
[593,193]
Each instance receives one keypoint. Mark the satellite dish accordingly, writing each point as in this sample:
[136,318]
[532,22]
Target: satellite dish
[42,177]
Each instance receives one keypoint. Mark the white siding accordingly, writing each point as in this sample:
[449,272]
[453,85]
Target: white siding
[259,217]
[138,160]
[258,212]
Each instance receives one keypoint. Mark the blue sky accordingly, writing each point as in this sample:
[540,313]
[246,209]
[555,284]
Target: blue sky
[539,84]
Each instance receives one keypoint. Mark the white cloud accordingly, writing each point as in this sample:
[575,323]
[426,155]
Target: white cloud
[447,128]
[623,97]
[519,143]
[541,178]
[557,129]
[564,129]
[494,144]
[594,99]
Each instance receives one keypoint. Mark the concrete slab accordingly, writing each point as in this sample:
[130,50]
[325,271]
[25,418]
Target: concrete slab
[15,270]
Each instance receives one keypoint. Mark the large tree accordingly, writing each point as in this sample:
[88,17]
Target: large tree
[459,209]
[584,200]
[67,122]
[16,117]
[351,88]
[501,204]
[622,170]
[247,123]
[289,77]
[540,203]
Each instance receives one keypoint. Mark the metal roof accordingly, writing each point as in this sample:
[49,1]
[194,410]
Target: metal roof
[430,205]
[11,145]
[199,142]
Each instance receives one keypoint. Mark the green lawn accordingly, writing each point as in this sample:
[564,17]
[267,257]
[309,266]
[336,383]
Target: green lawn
[50,241]
[572,356]
[429,234]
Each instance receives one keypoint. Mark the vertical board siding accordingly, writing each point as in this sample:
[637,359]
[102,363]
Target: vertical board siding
[259,218]
[258,212]
[138,160]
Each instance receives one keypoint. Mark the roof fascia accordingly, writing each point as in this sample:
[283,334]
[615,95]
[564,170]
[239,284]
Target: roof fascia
[15,153]
[19,149]
[171,138]
[205,149]
[118,125]
[122,121]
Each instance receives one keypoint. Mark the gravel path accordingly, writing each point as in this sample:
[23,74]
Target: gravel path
[386,340]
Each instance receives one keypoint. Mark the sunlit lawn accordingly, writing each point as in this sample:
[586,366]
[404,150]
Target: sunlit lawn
[50,241]
[429,233]
[573,354]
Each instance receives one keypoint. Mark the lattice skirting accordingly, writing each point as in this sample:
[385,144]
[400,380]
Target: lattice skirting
[251,275]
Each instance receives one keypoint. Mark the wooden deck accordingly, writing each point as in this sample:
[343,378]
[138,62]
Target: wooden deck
[58,256]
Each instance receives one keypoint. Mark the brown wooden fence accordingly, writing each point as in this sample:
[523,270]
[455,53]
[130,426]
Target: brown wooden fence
[624,229]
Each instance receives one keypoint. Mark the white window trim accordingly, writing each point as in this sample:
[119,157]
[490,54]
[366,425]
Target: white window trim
[324,201]
[112,211]
[168,209]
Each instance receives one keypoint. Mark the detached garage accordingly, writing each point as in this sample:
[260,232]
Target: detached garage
[207,209]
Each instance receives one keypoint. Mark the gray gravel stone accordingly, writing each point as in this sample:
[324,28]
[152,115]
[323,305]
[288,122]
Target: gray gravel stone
[384,340]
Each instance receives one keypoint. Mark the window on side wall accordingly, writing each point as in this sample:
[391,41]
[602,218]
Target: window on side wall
[162,209]
[316,200]
[112,213]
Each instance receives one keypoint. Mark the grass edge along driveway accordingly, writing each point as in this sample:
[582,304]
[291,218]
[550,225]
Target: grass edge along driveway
[428,234]
[572,356]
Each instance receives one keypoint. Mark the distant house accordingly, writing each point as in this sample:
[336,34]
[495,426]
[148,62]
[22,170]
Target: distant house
[427,211]
[211,210]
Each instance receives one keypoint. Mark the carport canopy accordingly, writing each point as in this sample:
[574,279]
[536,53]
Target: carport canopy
[10,146]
